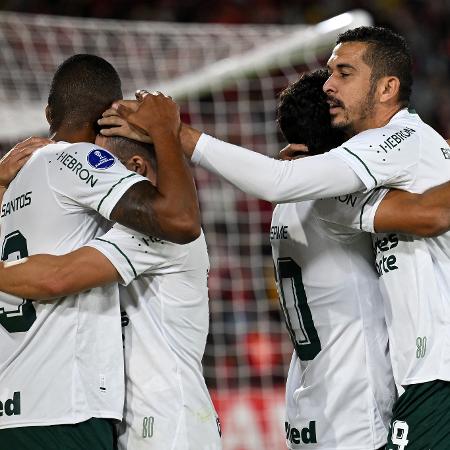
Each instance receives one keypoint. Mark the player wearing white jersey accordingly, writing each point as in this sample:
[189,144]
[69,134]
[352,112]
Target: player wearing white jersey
[61,364]
[368,91]
[340,389]
[165,317]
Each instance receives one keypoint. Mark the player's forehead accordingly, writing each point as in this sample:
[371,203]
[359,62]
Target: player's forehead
[347,54]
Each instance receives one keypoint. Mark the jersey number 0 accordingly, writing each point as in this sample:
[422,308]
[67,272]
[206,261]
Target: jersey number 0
[296,310]
[20,318]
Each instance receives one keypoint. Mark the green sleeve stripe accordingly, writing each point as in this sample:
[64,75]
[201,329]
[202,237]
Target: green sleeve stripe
[364,205]
[362,162]
[121,252]
[112,187]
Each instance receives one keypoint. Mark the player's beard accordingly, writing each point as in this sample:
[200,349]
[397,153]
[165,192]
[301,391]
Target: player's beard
[362,111]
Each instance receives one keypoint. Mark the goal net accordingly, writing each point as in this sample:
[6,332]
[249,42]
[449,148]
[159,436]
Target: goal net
[226,79]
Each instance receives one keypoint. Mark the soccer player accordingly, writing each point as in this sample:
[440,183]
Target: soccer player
[164,315]
[368,91]
[61,364]
[340,388]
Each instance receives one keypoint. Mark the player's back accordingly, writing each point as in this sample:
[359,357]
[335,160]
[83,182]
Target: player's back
[165,325]
[340,388]
[63,358]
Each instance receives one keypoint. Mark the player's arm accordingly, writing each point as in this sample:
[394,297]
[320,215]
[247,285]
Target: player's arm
[170,210]
[266,178]
[426,214]
[43,277]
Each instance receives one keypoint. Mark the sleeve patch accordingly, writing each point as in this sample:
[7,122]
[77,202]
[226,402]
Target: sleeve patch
[100,159]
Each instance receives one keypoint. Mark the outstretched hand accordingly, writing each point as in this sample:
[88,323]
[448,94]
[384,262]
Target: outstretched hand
[15,159]
[156,114]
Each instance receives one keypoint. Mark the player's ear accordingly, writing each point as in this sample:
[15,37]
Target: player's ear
[388,89]
[48,114]
[137,164]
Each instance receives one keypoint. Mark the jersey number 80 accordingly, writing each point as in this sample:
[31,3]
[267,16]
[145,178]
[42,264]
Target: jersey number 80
[20,318]
[297,313]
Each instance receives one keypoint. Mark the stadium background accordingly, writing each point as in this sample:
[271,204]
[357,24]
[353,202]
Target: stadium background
[248,350]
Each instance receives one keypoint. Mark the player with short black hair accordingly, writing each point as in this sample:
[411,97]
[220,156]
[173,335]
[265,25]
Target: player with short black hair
[164,303]
[303,114]
[387,53]
[61,367]
[82,87]
[329,295]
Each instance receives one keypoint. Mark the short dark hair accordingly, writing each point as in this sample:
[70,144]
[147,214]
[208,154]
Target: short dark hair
[125,149]
[303,114]
[387,55]
[82,88]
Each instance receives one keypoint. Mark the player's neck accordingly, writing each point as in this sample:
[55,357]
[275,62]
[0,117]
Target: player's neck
[72,136]
[380,118]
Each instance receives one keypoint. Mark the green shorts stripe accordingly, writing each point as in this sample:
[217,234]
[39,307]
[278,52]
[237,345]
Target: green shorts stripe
[421,418]
[94,434]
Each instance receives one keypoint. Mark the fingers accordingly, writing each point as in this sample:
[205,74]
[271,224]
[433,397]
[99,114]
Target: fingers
[298,148]
[109,121]
[130,104]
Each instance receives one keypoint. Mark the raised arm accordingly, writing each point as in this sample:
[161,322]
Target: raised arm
[425,215]
[170,209]
[43,277]
[264,177]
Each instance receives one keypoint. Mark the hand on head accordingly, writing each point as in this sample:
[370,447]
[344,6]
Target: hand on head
[142,119]
[117,126]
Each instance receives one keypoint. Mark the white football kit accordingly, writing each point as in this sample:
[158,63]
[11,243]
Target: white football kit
[166,317]
[406,154]
[61,362]
[340,389]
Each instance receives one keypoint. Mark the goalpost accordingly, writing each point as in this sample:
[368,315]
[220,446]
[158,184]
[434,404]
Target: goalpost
[226,79]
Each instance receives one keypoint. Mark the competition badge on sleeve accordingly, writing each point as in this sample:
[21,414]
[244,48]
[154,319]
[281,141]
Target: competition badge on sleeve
[100,159]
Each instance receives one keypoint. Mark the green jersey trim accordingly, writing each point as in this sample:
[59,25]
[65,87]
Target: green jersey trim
[362,162]
[112,187]
[364,205]
[121,252]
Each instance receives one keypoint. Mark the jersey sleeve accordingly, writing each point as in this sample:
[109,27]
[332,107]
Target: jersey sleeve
[277,181]
[385,156]
[133,254]
[90,176]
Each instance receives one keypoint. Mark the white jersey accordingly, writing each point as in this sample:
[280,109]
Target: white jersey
[407,154]
[61,362]
[340,388]
[165,318]
[414,272]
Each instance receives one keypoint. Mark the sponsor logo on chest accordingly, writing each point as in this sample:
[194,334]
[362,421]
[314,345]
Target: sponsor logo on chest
[395,139]
[77,168]
[385,259]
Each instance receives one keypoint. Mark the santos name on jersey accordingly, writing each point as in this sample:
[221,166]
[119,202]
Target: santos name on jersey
[61,362]
[165,318]
[340,387]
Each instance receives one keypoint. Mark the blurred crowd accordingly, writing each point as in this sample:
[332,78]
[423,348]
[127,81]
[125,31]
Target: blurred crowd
[424,23]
